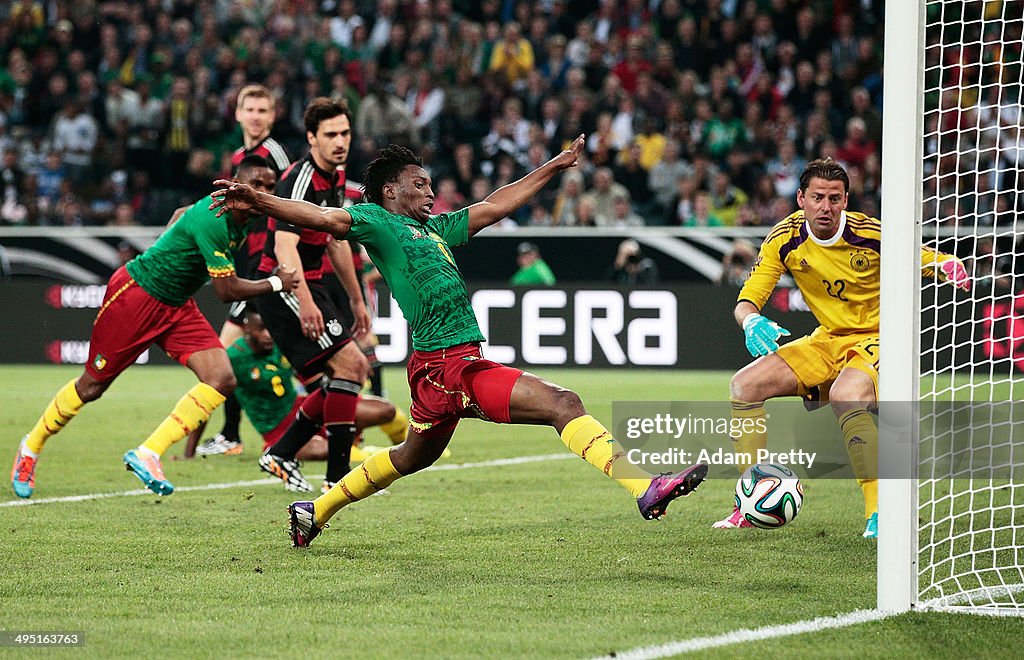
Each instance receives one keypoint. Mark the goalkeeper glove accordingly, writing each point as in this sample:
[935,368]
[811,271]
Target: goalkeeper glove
[953,271]
[762,335]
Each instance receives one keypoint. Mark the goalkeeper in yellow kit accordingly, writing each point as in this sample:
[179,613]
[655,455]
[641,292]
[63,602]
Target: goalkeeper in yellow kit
[833,255]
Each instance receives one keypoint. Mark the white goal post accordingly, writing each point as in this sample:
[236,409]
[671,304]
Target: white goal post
[951,493]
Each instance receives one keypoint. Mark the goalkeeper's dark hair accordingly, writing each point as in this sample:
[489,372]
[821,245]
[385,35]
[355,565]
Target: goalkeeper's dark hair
[385,168]
[253,161]
[824,168]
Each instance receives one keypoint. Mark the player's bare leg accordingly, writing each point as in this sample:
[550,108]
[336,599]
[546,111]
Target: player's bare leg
[765,378]
[852,397]
[537,401]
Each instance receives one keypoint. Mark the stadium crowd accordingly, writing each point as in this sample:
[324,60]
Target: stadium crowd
[698,112]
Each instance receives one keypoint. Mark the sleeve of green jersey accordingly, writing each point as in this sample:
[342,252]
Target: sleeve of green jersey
[452,227]
[361,229]
[211,236]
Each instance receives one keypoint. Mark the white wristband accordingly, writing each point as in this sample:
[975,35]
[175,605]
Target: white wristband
[749,318]
[275,283]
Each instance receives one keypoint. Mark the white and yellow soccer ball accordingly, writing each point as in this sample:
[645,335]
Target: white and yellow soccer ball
[769,495]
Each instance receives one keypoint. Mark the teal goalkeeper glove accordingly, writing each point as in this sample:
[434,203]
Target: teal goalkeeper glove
[762,335]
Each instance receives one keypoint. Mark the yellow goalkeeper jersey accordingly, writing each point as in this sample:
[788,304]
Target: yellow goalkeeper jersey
[839,278]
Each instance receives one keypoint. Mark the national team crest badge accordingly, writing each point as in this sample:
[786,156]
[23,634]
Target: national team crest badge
[99,363]
[860,262]
[334,327]
[254,374]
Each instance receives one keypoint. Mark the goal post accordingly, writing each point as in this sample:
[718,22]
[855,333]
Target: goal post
[900,304]
[951,437]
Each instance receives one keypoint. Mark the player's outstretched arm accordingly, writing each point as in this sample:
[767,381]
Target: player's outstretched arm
[761,334]
[232,287]
[233,196]
[509,198]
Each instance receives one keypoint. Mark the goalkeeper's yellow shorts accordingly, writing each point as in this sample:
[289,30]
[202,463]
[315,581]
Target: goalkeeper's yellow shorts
[817,358]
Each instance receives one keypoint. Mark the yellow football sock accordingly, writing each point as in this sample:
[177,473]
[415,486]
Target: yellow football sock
[64,405]
[870,489]
[590,440]
[357,455]
[375,474]
[191,410]
[749,436]
[861,436]
[397,428]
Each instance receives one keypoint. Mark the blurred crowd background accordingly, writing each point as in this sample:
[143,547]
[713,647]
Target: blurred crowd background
[698,112]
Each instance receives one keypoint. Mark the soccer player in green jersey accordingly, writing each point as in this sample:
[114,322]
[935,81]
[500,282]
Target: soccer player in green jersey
[266,391]
[149,301]
[448,377]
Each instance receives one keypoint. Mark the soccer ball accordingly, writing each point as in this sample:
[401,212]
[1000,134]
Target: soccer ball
[769,495]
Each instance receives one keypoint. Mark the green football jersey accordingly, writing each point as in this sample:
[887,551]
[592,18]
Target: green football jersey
[415,260]
[191,251]
[265,389]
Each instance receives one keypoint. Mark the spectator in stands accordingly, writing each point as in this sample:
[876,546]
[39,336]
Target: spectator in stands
[12,184]
[726,199]
[512,57]
[785,170]
[702,215]
[602,195]
[384,117]
[857,147]
[623,215]
[74,136]
[630,267]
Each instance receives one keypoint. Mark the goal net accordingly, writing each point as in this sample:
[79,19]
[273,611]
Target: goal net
[967,500]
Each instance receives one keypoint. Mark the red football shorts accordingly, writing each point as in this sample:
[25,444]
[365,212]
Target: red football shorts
[452,383]
[130,320]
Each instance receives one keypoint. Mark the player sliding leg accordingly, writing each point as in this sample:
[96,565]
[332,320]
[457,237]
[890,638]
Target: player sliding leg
[497,393]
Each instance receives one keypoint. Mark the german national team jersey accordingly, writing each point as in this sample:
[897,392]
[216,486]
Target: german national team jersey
[269,148]
[416,262]
[191,251]
[265,386]
[305,181]
[839,277]
[249,256]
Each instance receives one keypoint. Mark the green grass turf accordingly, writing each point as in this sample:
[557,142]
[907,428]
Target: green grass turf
[542,559]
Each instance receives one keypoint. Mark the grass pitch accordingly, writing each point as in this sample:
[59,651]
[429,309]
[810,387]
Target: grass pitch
[542,559]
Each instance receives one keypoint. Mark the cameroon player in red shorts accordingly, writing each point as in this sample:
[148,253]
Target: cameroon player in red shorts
[449,379]
[149,301]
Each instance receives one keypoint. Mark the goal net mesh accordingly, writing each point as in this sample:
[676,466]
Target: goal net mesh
[971,451]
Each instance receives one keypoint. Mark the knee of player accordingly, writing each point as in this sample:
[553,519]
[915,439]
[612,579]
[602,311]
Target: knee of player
[90,390]
[852,392]
[568,403]
[224,383]
[739,387]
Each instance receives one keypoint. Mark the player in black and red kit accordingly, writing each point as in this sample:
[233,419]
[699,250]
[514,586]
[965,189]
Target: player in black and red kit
[307,325]
[255,113]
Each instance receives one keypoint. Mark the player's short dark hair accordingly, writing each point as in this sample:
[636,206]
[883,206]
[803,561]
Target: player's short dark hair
[385,168]
[824,168]
[253,161]
[321,109]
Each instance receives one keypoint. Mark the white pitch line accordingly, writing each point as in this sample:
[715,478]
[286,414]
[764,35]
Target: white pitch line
[752,635]
[519,460]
